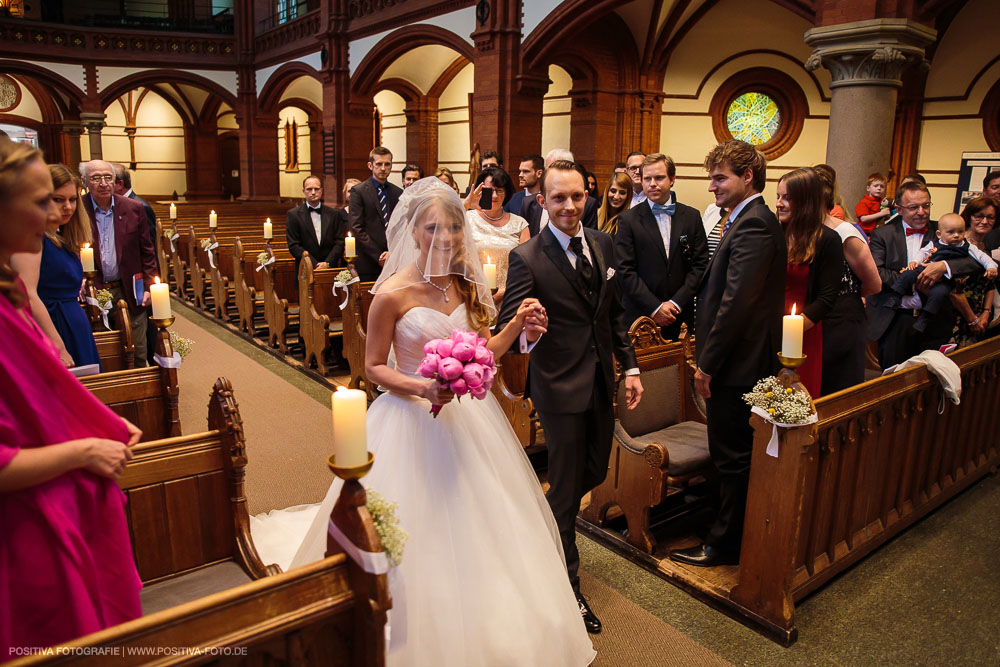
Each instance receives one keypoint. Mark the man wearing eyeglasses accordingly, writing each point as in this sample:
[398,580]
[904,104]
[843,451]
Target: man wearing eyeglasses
[633,167]
[124,247]
[893,246]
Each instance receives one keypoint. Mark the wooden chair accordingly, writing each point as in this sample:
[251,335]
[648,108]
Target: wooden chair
[115,348]
[508,388]
[187,509]
[355,316]
[659,448]
[281,310]
[319,311]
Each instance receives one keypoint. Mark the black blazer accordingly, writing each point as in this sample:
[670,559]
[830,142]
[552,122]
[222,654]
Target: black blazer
[366,224]
[825,272]
[531,211]
[992,239]
[580,336]
[301,235]
[741,299]
[648,278]
[888,246]
[150,215]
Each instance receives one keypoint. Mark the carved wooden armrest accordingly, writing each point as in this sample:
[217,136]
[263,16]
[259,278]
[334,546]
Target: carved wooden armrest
[655,453]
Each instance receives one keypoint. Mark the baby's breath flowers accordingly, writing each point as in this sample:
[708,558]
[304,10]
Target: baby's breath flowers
[343,277]
[181,345]
[785,405]
[392,536]
[262,258]
[103,298]
[206,244]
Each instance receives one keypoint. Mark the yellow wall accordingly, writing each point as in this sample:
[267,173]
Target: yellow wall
[453,126]
[290,182]
[392,106]
[159,145]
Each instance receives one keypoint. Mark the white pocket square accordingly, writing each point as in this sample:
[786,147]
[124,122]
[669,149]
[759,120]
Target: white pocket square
[611,273]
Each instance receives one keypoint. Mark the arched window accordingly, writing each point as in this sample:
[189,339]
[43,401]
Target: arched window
[761,106]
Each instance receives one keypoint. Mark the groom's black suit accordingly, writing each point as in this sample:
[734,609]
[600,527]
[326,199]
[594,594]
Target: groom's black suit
[571,372]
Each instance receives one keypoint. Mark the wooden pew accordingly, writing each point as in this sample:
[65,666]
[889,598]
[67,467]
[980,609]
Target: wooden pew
[319,311]
[355,317]
[186,503]
[281,308]
[880,458]
[147,397]
[249,286]
[661,447]
[115,348]
[508,388]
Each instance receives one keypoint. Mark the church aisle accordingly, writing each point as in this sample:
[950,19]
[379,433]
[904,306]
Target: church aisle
[287,423]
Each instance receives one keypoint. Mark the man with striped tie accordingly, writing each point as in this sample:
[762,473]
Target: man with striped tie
[371,204]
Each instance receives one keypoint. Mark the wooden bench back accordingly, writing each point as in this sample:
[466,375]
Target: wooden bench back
[147,397]
[186,503]
[115,348]
[355,317]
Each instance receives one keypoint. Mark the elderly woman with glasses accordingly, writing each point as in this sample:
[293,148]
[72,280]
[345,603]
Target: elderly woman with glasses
[974,296]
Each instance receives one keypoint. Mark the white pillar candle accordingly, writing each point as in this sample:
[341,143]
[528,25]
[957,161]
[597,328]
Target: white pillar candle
[350,251]
[791,334]
[268,229]
[350,442]
[160,295]
[213,220]
[173,211]
[490,269]
[87,257]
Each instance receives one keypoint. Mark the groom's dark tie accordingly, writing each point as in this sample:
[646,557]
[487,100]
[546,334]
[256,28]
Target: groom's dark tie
[583,265]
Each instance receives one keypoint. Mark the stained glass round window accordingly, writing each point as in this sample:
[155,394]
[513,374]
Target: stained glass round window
[753,118]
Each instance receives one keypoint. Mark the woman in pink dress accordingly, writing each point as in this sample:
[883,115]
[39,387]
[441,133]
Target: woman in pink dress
[66,566]
[815,264]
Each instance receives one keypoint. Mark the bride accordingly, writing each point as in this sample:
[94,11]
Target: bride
[482,579]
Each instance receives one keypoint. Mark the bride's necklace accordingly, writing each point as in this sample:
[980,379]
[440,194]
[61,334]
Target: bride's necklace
[444,290]
[490,217]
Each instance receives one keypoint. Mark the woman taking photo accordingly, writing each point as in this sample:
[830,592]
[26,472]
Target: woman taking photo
[53,277]
[67,561]
[615,202]
[844,336]
[815,264]
[494,231]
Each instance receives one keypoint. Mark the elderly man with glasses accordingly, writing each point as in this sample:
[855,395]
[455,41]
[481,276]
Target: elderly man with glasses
[125,255]
[633,167]
[893,246]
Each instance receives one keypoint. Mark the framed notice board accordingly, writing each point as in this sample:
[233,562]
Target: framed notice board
[974,168]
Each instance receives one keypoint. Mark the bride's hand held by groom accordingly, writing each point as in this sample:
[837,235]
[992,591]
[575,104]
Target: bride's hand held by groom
[532,318]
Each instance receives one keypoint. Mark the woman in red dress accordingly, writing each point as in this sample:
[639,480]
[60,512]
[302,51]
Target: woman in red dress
[815,264]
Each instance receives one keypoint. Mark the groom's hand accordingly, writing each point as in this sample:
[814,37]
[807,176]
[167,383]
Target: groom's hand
[633,391]
[701,382]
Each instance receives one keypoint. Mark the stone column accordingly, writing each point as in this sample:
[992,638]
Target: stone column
[422,134]
[72,130]
[94,122]
[866,60]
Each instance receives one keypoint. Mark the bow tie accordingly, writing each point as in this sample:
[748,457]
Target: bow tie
[664,208]
[313,208]
[911,231]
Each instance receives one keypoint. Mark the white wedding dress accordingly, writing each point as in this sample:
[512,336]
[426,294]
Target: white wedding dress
[482,579]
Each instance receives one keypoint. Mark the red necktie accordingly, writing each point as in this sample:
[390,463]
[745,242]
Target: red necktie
[911,231]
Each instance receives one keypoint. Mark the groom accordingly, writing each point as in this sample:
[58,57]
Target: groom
[571,371]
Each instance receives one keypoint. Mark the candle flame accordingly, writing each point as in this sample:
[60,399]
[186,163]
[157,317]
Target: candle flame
[348,235]
[156,279]
[268,220]
[341,388]
[86,245]
[489,260]
[213,212]
[793,309]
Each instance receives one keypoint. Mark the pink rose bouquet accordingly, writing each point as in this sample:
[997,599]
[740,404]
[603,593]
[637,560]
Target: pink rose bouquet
[461,363]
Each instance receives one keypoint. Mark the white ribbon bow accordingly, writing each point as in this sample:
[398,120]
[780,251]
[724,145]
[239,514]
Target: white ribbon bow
[173,238]
[772,444]
[343,286]
[372,562]
[209,249]
[268,262]
[168,362]
[104,309]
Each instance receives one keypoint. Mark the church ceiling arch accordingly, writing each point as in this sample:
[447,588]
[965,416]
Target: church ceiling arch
[280,80]
[65,95]
[165,77]
[395,45]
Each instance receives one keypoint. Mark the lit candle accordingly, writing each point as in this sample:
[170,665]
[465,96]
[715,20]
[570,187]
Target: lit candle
[173,211]
[268,229]
[490,269]
[213,220]
[791,334]
[349,249]
[87,257]
[160,294]
[350,443]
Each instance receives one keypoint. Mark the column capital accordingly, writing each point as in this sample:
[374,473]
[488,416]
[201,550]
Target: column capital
[869,53]
[94,122]
[73,128]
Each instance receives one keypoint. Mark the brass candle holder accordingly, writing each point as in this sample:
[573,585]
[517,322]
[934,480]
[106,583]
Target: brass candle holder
[791,362]
[788,377]
[350,265]
[163,336]
[348,473]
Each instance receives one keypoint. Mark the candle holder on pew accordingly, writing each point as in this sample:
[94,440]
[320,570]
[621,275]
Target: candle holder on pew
[163,336]
[352,496]
[90,296]
[350,265]
[789,377]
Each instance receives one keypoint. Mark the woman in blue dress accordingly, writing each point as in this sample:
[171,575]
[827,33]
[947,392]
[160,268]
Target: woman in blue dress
[54,276]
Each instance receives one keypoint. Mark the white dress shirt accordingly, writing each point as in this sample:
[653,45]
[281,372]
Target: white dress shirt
[317,221]
[637,198]
[663,222]
[913,244]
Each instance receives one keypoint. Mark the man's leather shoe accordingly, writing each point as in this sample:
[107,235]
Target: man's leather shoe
[704,555]
[590,620]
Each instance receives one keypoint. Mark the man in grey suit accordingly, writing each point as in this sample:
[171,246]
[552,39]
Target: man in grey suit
[371,205]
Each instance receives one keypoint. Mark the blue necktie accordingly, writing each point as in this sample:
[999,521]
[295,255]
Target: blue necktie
[382,202]
[664,208]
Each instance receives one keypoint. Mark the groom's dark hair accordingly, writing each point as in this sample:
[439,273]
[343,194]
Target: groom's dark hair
[561,165]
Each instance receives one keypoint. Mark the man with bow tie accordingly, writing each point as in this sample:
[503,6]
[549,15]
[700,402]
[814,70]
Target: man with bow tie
[316,228]
[661,251]
[893,246]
